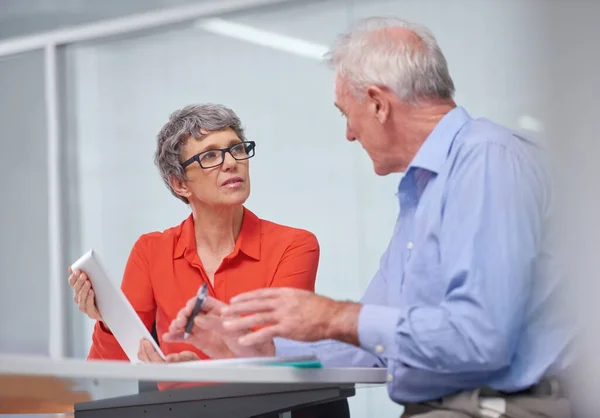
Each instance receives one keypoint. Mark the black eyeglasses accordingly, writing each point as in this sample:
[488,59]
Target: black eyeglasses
[215,157]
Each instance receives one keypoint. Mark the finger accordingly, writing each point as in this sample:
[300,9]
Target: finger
[182,319]
[181,357]
[82,297]
[262,336]
[208,323]
[173,336]
[189,306]
[179,322]
[173,358]
[250,307]
[150,352]
[73,277]
[270,292]
[142,352]
[90,304]
[251,321]
[184,313]
[213,306]
[188,356]
[80,282]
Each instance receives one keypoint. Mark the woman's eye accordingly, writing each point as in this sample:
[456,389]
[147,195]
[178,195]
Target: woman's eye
[211,155]
[239,150]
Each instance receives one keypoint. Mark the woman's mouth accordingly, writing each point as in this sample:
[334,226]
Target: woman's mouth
[232,183]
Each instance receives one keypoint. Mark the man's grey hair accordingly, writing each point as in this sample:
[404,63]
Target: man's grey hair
[187,123]
[365,55]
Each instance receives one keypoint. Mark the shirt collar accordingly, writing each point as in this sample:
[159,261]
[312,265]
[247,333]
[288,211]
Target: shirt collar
[248,241]
[434,151]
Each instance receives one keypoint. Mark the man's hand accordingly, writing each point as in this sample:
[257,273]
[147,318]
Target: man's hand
[209,335]
[290,313]
[148,354]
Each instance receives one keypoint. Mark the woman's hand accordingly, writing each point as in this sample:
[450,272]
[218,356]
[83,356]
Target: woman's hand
[209,335]
[147,354]
[83,294]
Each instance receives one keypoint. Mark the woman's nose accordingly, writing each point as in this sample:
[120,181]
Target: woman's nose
[228,161]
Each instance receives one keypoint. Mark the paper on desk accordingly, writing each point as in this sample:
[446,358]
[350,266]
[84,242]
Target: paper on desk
[297,361]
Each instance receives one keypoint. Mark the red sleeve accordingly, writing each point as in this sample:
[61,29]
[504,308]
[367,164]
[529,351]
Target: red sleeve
[299,264]
[138,289]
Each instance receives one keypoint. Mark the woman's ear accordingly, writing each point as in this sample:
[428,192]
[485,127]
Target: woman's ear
[179,186]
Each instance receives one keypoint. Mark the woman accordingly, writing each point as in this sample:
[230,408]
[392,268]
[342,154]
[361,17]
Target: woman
[202,155]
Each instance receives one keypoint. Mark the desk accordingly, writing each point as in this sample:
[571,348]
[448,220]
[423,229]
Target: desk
[109,388]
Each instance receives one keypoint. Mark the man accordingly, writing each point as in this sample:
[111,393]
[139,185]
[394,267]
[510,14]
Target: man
[462,311]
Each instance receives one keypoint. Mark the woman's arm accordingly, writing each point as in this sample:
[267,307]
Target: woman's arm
[299,264]
[138,289]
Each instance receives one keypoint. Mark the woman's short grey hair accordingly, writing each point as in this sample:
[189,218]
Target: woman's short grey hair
[187,123]
[413,69]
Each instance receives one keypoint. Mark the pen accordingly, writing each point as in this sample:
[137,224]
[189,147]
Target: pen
[202,293]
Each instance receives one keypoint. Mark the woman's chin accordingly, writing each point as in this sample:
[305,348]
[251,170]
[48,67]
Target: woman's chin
[234,199]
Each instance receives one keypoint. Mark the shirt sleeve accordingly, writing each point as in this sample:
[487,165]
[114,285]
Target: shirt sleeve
[137,288]
[299,264]
[489,240]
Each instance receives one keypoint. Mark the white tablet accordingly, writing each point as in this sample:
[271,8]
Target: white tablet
[117,313]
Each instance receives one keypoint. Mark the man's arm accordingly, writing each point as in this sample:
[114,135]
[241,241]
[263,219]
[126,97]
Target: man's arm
[334,353]
[489,240]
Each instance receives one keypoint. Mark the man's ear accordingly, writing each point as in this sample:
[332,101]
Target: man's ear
[179,186]
[378,103]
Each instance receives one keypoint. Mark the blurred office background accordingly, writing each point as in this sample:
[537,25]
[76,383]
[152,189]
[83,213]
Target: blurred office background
[85,87]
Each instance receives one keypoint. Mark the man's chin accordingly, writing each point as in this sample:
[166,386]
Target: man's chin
[381,170]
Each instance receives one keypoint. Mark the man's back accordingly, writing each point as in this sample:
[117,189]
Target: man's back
[472,263]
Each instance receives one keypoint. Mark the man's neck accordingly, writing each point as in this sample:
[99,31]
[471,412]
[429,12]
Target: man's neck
[424,119]
[216,229]
[418,123]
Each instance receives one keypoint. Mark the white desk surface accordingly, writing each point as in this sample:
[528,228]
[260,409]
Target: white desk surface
[78,368]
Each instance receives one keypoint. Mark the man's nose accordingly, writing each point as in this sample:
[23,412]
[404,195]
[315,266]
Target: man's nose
[350,136]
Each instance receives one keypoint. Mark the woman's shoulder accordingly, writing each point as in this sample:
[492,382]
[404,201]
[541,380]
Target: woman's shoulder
[280,233]
[162,238]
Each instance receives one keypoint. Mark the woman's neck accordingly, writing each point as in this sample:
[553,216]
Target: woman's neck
[216,229]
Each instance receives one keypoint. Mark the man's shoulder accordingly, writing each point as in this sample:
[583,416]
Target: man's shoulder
[488,147]
[483,131]
[481,136]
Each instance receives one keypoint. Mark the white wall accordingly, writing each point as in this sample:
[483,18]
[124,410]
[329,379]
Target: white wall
[23,207]
[573,131]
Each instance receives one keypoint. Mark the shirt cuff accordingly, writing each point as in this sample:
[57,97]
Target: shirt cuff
[290,348]
[377,327]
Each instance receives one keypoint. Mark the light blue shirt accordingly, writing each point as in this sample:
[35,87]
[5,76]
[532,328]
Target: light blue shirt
[467,292]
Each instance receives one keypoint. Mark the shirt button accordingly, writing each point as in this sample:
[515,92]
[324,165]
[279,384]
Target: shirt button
[379,348]
[410,245]
[390,378]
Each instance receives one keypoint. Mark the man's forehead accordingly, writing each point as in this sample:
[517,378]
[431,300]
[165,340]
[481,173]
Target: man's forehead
[339,84]
[340,91]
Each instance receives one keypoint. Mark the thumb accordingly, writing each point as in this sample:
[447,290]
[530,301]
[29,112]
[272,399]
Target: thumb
[181,357]
[188,356]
